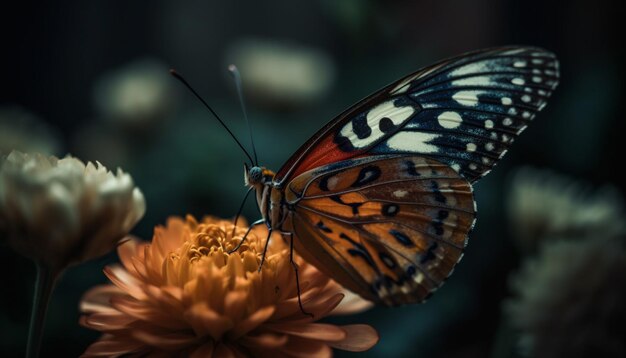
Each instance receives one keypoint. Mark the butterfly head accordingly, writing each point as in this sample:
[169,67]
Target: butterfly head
[255,175]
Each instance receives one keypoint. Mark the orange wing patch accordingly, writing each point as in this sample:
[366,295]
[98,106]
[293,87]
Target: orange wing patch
[361,263]
[409,217]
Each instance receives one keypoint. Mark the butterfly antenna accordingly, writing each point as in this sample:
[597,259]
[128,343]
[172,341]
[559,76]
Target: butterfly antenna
[237,77]
[183,81]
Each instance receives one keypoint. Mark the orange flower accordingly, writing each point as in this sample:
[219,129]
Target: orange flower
[185,295]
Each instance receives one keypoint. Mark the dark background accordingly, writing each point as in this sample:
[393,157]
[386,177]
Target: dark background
[54,54]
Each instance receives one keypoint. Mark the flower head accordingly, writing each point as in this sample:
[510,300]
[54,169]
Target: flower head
[543,204]
[185,294]
[281,74]
[137,94]
[570,299]
[61,211]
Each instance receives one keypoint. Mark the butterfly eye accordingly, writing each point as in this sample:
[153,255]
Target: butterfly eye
[255,174]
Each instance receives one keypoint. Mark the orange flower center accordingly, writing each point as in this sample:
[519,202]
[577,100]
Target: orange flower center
[210,245]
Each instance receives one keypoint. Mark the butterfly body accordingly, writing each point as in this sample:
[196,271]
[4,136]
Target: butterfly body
[381,197]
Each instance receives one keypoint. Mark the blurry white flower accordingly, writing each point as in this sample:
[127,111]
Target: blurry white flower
[136,95]
[569,300]
[61,211]
[543,204]
[281,74]
[23,131]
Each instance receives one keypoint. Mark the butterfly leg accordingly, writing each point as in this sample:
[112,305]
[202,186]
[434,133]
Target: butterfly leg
[295,269]
[258,222]
[267,243]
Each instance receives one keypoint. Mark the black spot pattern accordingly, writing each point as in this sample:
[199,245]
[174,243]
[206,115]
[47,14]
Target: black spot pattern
[438,195]
[430,253]
[386,125]
[324,182]
[354,206]
[379,283]
[438,223]
[387,260]
[410,168]
[323,227]
[402,238]
[360,251]
[367,175]
[343,143]
[438,226]
[443,214]
[390,209]
[361,128]
[526,77]
[388,282]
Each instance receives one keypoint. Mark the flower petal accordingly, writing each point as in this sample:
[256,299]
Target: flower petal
[352,303]
[359,338]
[205,321]
[98,299]
[107,321]
[264,341]
[127,248]
[109,346]
[131,307]
[224,351]
[163,299]
[162,340]
[316,331]
[235,304]
[172,236]
[290,310]
[252,322]
[204,351]
[307,348]
[125,281]
[150,314]
[174,292]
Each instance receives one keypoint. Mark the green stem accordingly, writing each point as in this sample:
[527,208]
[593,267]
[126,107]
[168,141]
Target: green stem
[46,279]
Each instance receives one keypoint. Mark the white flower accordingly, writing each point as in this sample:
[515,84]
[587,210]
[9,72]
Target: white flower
[569,299]
[137,94]
[543,204]
[282,74]
[60,211]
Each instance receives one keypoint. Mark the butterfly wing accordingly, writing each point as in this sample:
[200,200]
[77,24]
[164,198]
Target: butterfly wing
[390,228]
[464,112]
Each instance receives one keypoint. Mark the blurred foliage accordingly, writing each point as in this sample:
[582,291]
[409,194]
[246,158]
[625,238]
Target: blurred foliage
[59,56]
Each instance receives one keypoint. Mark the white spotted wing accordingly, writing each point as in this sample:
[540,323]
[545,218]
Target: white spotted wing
[464,112]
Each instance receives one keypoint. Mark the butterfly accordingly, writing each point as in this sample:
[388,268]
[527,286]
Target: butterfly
[380,199]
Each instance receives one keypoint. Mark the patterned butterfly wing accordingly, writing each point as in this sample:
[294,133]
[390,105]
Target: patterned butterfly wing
[464,112]
[390,228]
